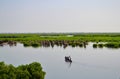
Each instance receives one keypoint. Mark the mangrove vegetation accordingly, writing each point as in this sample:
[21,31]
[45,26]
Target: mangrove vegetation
[29,71]
[111,40]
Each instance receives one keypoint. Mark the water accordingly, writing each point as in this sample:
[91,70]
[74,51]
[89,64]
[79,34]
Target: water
[88,63]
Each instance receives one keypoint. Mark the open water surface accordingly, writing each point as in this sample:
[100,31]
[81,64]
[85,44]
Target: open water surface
[88,63]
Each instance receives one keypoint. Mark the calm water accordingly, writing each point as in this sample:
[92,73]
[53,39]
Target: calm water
[88,63]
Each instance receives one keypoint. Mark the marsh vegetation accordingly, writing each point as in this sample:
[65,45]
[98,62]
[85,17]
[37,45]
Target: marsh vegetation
[62,39]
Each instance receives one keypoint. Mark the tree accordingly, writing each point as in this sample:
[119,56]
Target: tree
[31,71]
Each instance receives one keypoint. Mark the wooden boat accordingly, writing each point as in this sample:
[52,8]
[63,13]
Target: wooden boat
[68,59]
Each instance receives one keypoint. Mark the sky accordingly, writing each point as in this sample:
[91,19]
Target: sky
[24,16]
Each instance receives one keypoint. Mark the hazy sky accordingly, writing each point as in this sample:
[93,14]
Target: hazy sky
[59,16]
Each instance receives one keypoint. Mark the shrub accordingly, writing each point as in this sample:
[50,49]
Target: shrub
[112,45]
[31,71]
[26,44]
[35,45]
[100,45]
[94,45]
[80,45]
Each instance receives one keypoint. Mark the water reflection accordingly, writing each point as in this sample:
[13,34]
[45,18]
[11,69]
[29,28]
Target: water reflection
[69,64]
[10,43]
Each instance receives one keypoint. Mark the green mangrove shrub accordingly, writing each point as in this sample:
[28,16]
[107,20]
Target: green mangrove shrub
[80,45]
[100,45]
[95,45]
[29,71]
[112,45]
[27,44]
[35,44]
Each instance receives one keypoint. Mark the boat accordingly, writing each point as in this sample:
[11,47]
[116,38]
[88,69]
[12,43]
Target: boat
[68,59]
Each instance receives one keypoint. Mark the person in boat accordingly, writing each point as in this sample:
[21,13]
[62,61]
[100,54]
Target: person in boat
[68,59]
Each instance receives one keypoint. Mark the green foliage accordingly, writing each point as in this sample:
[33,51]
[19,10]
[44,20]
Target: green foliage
[31,71]
[95,45]
[100,45]
[80,45]
[112,45]
[77,39]
[108,45]
[93,37]
[26,44]
[35,45]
